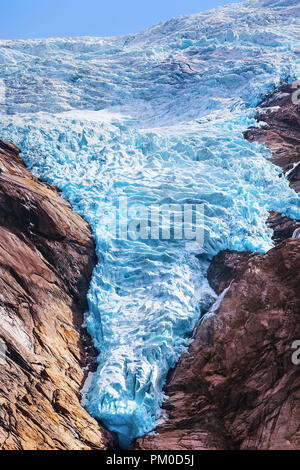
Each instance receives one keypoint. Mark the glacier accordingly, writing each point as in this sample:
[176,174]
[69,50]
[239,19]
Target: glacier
[155,117]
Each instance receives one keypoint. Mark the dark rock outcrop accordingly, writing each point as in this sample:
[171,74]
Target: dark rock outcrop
[226,266]
[283,227]
[47,255]
[237,387]
[280,131]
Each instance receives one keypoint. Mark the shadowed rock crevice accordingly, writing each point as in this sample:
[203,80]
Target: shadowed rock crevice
[47,255]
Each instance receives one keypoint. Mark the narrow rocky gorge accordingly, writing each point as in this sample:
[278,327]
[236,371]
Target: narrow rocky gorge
[47,255]
[236,387]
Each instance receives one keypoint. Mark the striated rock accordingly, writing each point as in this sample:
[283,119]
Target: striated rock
[237,387]
[47,255]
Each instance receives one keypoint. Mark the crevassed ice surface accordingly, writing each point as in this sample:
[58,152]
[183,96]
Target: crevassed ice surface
[157,117]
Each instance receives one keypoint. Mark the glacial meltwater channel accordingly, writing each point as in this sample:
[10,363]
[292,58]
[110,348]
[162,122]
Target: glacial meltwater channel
[154,118]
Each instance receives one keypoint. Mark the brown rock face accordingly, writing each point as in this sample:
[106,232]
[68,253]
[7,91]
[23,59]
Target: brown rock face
[237,387]
[46,260]
[283,227]
[226,266]
[281,132]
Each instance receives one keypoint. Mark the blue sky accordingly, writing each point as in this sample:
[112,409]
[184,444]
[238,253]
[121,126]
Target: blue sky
[46,18]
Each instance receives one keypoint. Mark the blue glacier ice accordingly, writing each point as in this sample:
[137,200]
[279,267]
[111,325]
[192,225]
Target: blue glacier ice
[156,116]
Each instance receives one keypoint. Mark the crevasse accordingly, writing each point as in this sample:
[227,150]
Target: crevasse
[157,117]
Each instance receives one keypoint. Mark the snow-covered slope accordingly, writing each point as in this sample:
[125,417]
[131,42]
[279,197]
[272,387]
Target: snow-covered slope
[156,117]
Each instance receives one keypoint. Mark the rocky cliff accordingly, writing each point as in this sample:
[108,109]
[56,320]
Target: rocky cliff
[46,259]
[236,387]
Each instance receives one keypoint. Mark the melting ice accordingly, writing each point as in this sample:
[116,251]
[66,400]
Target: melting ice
[157,117]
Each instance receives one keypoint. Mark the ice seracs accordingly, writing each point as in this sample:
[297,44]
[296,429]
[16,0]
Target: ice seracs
[154,117]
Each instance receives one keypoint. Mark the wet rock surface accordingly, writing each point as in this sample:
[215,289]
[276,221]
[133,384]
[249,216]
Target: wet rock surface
[47,255]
